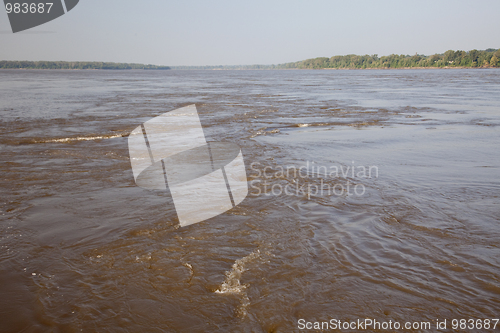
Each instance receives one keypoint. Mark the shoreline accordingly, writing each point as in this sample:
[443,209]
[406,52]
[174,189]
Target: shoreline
[78,69]
[245,69]
[445,67]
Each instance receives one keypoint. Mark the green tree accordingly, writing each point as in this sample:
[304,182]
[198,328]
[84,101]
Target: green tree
[495,62]
[449,56]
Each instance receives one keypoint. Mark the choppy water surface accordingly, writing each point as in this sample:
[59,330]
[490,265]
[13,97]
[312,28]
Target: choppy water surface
[84,249]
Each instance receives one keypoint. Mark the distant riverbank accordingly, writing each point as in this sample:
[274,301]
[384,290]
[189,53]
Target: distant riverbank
[489,58]
[449,59]
[76,65]
[401,68]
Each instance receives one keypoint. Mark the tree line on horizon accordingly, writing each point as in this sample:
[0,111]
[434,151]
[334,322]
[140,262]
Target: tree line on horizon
[470,59]
[462,59]
[74,65]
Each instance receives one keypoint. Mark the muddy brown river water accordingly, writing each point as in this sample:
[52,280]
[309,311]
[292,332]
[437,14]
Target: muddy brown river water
[373,194]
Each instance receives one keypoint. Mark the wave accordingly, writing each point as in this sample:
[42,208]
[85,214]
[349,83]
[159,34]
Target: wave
[232,283]
[82,138]
[67,139]
[276,130]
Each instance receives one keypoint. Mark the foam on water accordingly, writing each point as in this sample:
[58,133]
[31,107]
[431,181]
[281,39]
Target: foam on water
[80,138]
[232,283]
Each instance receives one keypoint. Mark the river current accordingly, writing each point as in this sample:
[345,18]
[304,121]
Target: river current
[372,194]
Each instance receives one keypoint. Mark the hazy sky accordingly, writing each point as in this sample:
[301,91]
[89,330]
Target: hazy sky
[184,32]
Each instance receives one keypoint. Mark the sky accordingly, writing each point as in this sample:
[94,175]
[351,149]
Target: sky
[196,33]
